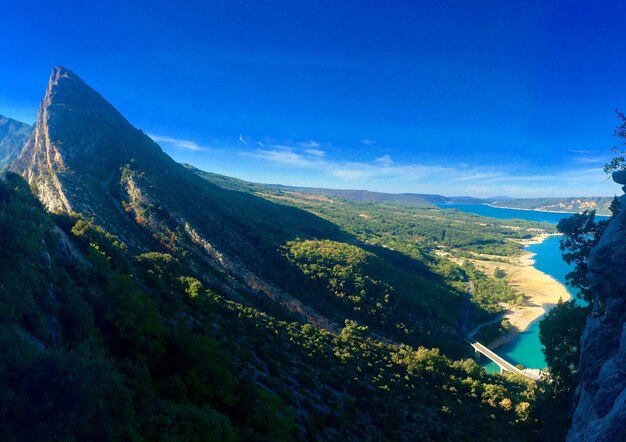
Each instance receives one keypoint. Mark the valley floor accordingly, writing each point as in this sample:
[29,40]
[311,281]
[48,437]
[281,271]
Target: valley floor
[541,290]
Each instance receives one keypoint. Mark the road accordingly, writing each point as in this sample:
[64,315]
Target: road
[464,319]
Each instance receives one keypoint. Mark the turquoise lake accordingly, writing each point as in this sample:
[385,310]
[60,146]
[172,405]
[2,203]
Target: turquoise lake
[526,349]
[500,213]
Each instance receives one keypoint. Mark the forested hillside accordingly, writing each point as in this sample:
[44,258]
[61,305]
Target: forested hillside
[124,345]
[438,241]
[142,302]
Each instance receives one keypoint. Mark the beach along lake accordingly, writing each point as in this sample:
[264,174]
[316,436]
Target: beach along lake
[525,348]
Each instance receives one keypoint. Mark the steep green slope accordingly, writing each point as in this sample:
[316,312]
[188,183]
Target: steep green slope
[13,135]
[85,157]
[153,304]
[374,291]
[99,344]
[422,243]
[399,225]
[90,350]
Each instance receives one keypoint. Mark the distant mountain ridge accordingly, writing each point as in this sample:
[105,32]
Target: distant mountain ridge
[566,204]
[356,195]
[13,135]
[366,195]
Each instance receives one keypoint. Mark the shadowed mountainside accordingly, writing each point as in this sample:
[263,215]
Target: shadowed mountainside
[85,157]
[149,303]
[13,134]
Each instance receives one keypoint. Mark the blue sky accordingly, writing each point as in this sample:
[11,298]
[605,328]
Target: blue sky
[453,97]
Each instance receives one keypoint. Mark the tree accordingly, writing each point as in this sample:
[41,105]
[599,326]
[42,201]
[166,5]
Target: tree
[580,234]
[560,333]
[618,162]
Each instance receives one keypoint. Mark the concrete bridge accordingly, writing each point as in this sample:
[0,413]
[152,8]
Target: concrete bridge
[464,319]
[498,360]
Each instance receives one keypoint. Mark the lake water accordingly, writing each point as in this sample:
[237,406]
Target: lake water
[500,213]
[525,348]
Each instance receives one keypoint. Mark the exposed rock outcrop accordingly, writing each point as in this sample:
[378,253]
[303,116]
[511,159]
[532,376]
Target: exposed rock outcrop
[600,414]
[84,156]
[79,141]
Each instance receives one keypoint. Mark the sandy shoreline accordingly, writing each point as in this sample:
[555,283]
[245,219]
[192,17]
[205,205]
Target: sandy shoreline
[541,290]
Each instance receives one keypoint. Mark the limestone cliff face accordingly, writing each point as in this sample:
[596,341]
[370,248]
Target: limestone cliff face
[76,130]
[600,414]
[84,156]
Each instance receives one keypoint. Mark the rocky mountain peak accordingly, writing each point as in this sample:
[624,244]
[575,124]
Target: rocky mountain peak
[58,73]
[80,141]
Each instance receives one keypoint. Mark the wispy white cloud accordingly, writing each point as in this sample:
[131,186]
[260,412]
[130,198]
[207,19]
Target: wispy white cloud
[385,160]
[310,144]
[286,156]
[591,159]
[368,142]
[181,144]
[315,152]
[301,154]
[351,174]
[383,174]
[316,166]
[580,151]
[477,176]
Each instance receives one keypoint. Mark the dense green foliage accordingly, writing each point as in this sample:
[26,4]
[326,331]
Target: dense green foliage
[618,162]
[365,287]
[489,292]
[559,332]
[615,207]
[89,354]
[98,344]
[581,233]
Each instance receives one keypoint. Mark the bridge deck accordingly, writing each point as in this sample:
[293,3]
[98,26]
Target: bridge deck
[501,362]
